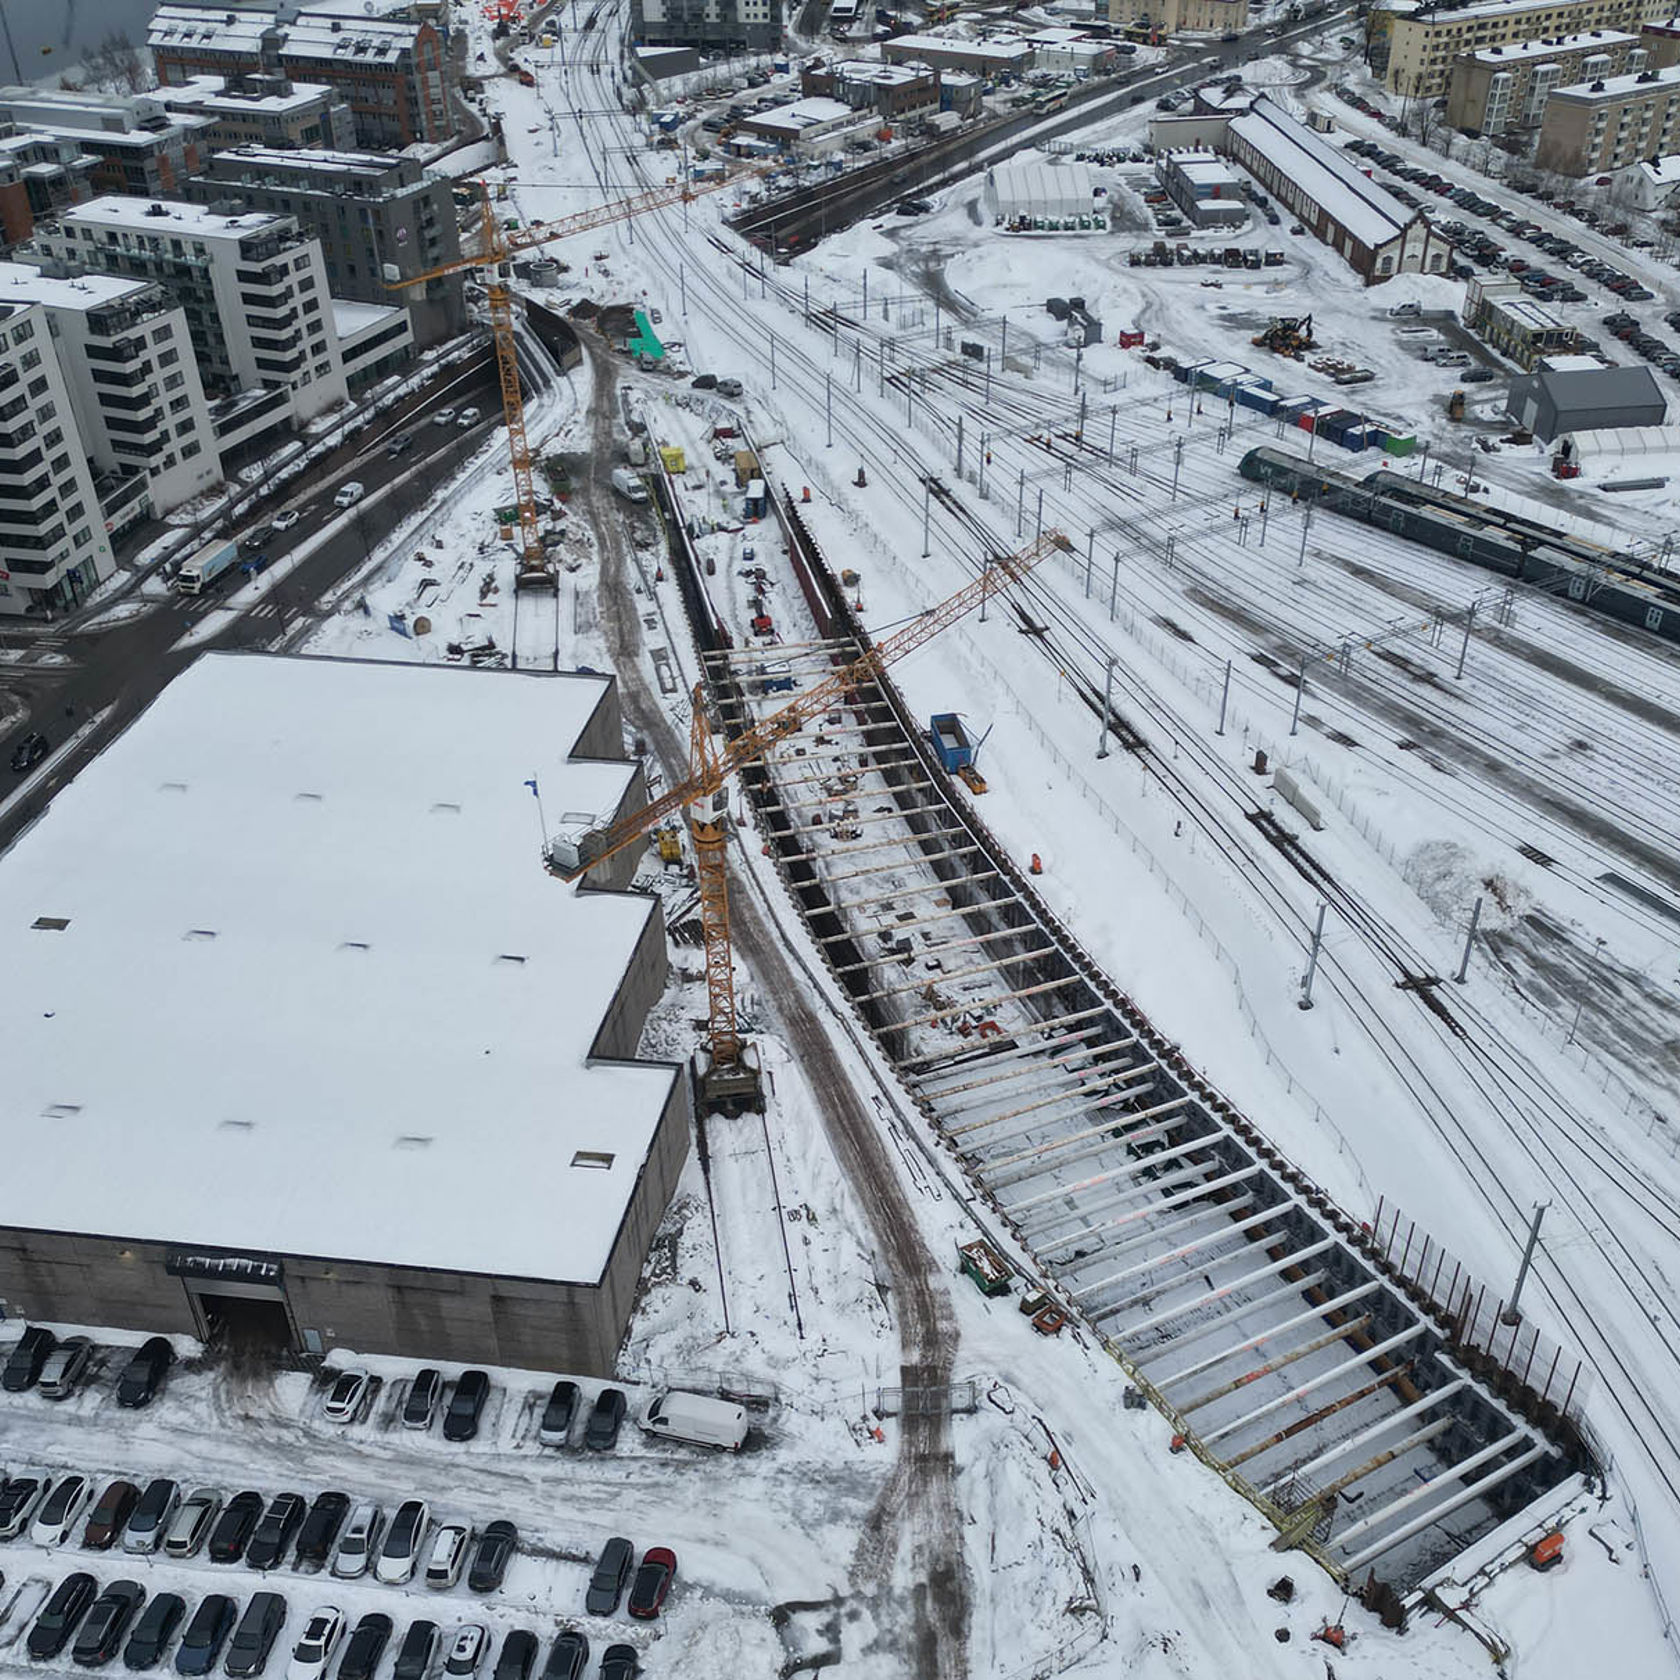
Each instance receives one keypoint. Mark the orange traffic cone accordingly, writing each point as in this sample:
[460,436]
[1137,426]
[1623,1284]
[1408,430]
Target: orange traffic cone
[1037,866]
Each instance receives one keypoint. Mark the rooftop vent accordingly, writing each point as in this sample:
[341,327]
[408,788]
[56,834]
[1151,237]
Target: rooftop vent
[414,1143]
[596,1158]
[50,924]
[236,1125]
[61,1111]
[199,933]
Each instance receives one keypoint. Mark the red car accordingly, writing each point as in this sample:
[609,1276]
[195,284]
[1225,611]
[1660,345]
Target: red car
[653,1581]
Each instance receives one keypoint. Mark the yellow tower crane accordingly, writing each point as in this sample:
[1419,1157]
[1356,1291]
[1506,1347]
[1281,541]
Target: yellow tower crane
[498,248]
[729,1081]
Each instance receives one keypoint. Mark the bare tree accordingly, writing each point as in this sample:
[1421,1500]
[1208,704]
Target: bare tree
[116,65]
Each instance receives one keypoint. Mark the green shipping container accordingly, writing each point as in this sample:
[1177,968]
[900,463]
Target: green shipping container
[1399,444]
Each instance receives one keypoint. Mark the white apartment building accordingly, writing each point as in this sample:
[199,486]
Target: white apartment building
[128,362]
[54,547]
[253,290]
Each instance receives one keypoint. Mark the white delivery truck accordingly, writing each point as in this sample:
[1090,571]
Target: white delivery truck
[680,1416]
[198,571]
[629,486]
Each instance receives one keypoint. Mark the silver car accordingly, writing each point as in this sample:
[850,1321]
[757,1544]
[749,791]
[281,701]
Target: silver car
[192,1523]
[65,1368]
[358,1543]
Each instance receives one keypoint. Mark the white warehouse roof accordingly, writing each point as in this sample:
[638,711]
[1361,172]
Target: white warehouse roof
[1040,189]
[285,974]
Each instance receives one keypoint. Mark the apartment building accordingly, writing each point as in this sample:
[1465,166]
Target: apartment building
[128,364]
[750,25]
[54,547]
[392,72]
[254,110]
[1424,45]
[1505,88]
[254,293]
[1660,37]
[372,213]
[40,175]
[1175,17]
[138,145]
[1598,126]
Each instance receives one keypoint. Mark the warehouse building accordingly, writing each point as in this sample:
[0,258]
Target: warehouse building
[945,52]
[332,1060]
[1550,403]
[1610,123]
[1323,188]
[1502,314]
[1501,88]
[1205,188]
[892,91]
[1036,197]
[1424,45]
[810,127]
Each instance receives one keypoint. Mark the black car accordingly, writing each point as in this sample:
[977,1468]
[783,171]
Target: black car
[365,1646]
[106,1623]
[23,1365]
[569,1658]
[704,382]
[68,1604]
[618,1662]
[254,1638]
[206,1633]
[422,1398]
[605,1417]
[606,1585]
[400,444]
[490,1560]
[460,1422]
[154,1630]
[254,542]
[320,1528]
[143,1375]
[273,1535]
[519,1651]
[559,1414]
[233,1527]
[414,1658]
[25,756]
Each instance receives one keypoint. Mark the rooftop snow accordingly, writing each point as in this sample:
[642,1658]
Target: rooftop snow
[313,992]
[1517,51]
[208,28]
[1328,177]
[24,283]
[1000,52]
[352,319]
[1661,171]
[1604,88]
[802,114]
[140,214]
[210,93]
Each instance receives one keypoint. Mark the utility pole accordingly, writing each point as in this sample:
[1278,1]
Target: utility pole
[1464,647]
[1114,586]
[1469,940]
[1306,527]
[1108,689]
[1224,699]
[682,290]
[1178,457]
[927,510]
[1020,500]
[959,445]
[1512,1315]
[1039,531]
[772,361]
[1090,547]
[1300,689]
[828,406]
[1305,1001]
[1113,415]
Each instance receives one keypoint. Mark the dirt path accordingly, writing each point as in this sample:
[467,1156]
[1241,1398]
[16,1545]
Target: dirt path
[918,1506]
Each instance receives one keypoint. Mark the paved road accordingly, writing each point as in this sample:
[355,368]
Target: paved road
[113,674]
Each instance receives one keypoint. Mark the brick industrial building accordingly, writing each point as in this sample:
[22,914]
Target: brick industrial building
[356,1071]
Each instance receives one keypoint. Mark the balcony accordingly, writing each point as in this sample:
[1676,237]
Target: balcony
[124,350]
[283,368]
[16,437]
[107,378]
[140,425]
[267,278]
[33,491]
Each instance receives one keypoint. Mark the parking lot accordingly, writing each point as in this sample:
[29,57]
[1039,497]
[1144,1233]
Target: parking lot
[339,1492]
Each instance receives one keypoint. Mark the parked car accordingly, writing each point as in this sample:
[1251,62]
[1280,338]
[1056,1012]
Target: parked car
[29,1352]
[400,1555]
[619,1662]
[569,1657]
[349,494]
[206,1633]
[191,1524]
[109,1516]
[467,418]
[416,1653]
[606,1417]
[285,521]
[60,1510]
[143,1375]
[19,1501]
[518,1652]
[460,1421]
[64,1610]
[316,1644]
[704,382]
[448,1556]
[365,1646]
[65,1367]
[496,1546]
[423,1393]
[233,1528]
[154,1630]
[105,1624]
[254,1638]
[345,1397]
[25,756]
[729,387]
[612,1570]
[559,1414]
[652,1583]
[359,1543]
[280,1522]
[466,1651]
[151,1518]
[320,1528]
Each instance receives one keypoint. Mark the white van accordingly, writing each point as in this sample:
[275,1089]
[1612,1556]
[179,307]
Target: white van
[680,1416]
[629,486]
